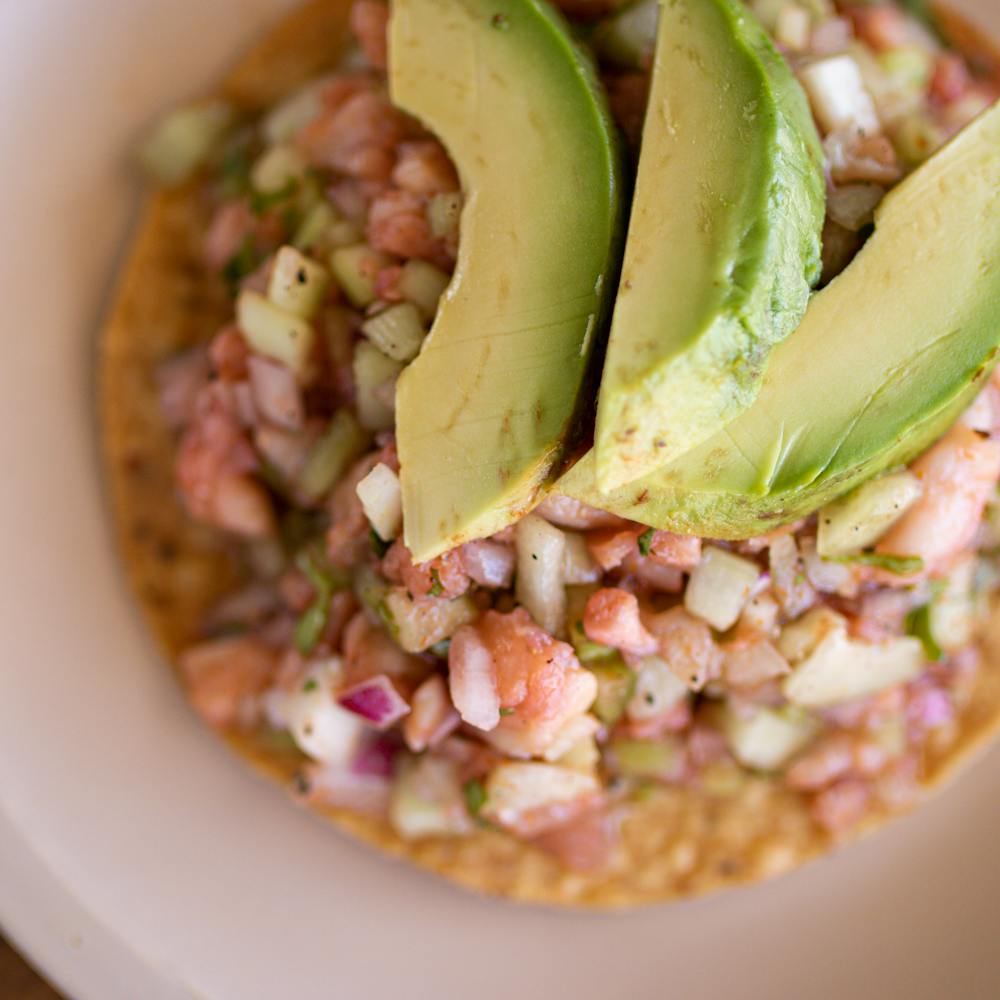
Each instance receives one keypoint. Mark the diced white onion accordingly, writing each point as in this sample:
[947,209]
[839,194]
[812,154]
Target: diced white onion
[838,95]
[382,501]
[320,727]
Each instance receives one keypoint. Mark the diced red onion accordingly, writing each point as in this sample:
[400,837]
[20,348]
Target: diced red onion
[376,700]
[376,757]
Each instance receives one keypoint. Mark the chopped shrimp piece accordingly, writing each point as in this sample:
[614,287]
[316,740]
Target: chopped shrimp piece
[679,551]
[473,679]
[232,223]
[751,659]
[489,563]
[540,685]
[444,576]
[951,78]
[424,168]
[958,475]
[610,546]
[673,719]
[347,537]
[611,618]
[584,843]
[841,806]
[432,716]
[687,645]
[369,22]
[368,651]
[628,95]
[829,760]
[223,677]
[882,27]
[242,505]
[653,575]
[397,223]
[565,512]
[228,353]
[180,381]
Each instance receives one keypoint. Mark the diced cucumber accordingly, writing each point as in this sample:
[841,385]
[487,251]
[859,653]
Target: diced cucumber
[343,441]
[801,637]
[657,689]
[275,333]
[720,586]
[444,212]
[767,738]
[311,230]
[647,758]
[541,556]
[297,283]
[615,686]
[355,269]
[418,625]
[289,117]
[373,369]
[183,140]
[397,331]
[423,284]
[863,516]
[276,168]
[427,799]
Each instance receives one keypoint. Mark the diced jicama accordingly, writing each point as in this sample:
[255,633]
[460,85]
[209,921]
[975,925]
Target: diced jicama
[427,799]
[320,727]
[720,586]
[517,793]
[841,669]
[578,566]
[275,333]
[342,442]
[859,519]
[297,284]
[767,738]
[276,169]
[419,623]
[183,140]
[838,95]
[355,269]
[396,331]
[422,284]
[541,556]
[382,501]
[657,689]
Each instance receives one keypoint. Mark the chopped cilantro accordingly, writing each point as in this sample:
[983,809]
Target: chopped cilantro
[440,649]
[918,624]
[507,711]
[310,685]
[475,796]
[645,541]
[436,587]
[310,625]
[901,565]
[264,201]
[242,263]
[379,545]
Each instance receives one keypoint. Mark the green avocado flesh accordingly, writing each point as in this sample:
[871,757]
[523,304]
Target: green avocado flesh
[485,413]
[885,360]
[723,243]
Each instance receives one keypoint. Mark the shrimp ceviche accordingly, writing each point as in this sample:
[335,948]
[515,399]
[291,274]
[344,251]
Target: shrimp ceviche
[543,666]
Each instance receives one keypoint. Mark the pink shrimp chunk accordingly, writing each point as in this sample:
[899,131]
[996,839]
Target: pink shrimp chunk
[611,618]
[224,675]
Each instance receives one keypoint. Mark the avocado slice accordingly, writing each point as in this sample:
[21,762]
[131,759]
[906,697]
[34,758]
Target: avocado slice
[886,359]
[723,242]
[486,412]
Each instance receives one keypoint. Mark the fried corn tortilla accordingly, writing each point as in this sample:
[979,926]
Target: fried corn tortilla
[676,843]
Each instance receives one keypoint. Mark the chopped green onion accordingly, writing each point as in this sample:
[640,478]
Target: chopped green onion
[343,442]
[645,541]
[475,796]
[507,711]
[901,565]
[436,588]
[309,628]
[918,624]
[379,545]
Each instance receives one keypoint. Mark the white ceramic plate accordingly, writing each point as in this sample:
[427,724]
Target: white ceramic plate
[137,859]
